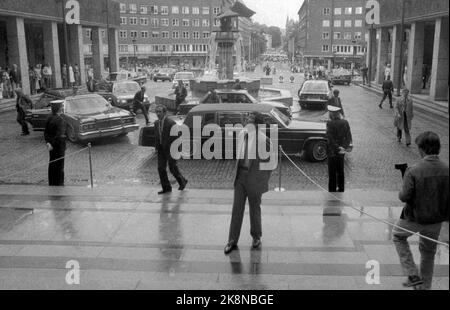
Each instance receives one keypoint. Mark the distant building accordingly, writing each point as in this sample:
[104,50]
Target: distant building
[332,33]
[268,38]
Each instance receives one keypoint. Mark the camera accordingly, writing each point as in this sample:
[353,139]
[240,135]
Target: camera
[402,168]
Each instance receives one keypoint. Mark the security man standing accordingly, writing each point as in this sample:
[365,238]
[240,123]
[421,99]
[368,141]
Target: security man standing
[55,137]
[340,141]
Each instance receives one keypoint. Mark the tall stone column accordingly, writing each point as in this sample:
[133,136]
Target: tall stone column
[329,64]
[51,51]
[17,49]
[415,58]
[113,46]
[76,54]
[439,71]
[97,52]
[397,40]
[382,37]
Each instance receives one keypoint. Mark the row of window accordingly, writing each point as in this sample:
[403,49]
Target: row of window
[161,48]
[347,11]
[155,22]
[344,49]
[164,10]
[164,34]
[345,36]
[338,23]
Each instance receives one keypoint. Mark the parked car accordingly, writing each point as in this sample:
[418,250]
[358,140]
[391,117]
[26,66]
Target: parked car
[294,136]
[125,76]
[88,117]
[340,76]
[121,94]
[163,75]
[184,76]
[314,94]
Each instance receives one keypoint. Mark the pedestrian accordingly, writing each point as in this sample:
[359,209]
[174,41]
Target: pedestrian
[64,75]
[339,140]
[49,76]
[403,115]
[251,180]
[23,104]
[138,103]
[424,76]
[336,101]
[6,84]
[425,193]
[214,98]
[387,71]
[71,77]
[38,73]
[180,93]
[15,78]
[45,75]
[76,73]
[55,138]
[364,71]
[163,142]
[388,88]
[32,77]
[237,85]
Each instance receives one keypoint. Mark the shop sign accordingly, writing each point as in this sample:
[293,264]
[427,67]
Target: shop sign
[73,13]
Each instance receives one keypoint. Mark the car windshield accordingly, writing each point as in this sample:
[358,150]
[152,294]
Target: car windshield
[86,105]
[184,76]
[315,87]
[126,88]
[281,117]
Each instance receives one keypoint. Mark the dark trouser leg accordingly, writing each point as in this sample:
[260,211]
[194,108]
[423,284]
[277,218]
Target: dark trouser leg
[427,252]
[340,173]
[162,170]
[390,98]
[399,134]
[237,215]
[254,201]
[406,127]
[22,122]
[332,174]
[145,112]
[173,167]
[384,98]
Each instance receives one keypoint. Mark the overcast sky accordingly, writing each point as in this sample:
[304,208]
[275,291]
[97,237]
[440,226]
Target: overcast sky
[274,12]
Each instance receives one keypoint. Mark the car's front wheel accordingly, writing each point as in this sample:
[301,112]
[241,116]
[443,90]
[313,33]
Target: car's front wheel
[71,134]
[316,150]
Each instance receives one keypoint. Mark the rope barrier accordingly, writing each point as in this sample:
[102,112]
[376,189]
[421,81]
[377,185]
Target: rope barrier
[44,164]
[361,211]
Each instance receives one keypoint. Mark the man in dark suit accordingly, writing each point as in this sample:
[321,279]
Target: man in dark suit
[23,104]
[388,88]
[336,101]
[339,138]
[163,142]
[252,181]
[138,103]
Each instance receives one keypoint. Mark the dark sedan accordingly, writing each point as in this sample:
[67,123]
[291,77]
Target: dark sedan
[314,94]
[88,117]
[163,75]
[294,136]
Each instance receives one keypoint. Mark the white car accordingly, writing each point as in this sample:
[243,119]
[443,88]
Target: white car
[185,76]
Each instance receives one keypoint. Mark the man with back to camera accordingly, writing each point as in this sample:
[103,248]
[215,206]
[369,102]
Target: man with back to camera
[388,88]
[425,192]
[138,103]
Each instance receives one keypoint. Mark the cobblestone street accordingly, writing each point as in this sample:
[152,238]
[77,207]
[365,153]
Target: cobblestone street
[121,162]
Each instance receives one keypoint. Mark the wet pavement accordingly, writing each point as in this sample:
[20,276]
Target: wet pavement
[131,238]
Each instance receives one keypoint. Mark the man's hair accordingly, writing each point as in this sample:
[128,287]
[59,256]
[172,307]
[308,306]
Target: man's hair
[388,77]
[55,108]
[336,91]
[259,118]
[429,143]
[162,107]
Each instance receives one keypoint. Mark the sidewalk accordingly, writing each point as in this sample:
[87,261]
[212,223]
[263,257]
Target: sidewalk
[429,108]
[131,238]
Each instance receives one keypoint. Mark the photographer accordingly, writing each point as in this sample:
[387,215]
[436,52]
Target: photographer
[425,192]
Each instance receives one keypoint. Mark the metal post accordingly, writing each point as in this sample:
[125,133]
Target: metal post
[90,165]
[369,77]
[400,69]
[107,36]
[279,188]
[66,44]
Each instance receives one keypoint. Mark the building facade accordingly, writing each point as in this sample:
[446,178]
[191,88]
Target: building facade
[332,33]
[423,66]
[173,32]
[32,32]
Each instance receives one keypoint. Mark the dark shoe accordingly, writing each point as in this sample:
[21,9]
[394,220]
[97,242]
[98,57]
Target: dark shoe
[413,281]
[256,243]
[183,186]
[165,191]
[408,144]
[380,106]
[24,133]
[392,107]
[230,247]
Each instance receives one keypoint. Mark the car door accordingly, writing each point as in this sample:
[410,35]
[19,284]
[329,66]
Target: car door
[229,135]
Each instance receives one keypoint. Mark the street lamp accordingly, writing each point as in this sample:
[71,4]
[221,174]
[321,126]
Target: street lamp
[134,53]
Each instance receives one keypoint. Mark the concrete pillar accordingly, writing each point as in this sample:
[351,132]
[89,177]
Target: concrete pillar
[17,50]
[97,52]
[382,38]
[397,39]
[439,71]
[113,43]
[415,58]
[76,54]
[311,64]
[329,64]
[51,51]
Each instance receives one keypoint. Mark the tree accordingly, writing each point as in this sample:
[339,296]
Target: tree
[276,36]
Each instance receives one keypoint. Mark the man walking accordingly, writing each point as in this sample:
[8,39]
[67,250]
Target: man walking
[336,101]
[364,71]
[163,142]
[251,181]
[23,103]
[388,88]
[180,93]
[138,103]
[425,192]
[55,138]
[339,138]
